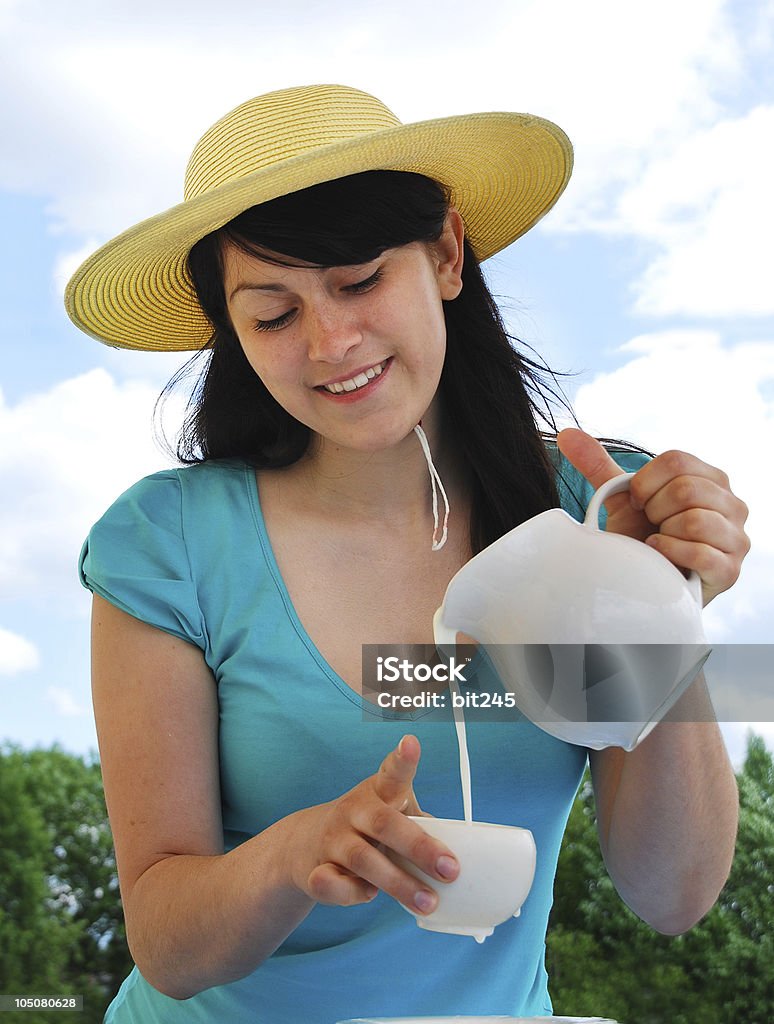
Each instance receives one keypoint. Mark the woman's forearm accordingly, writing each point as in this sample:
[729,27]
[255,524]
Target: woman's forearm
[668,814]
[196,922]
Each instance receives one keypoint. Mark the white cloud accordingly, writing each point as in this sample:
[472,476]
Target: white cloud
[685,389]
[709,208]
[17,654]
[65,455]
[65,703]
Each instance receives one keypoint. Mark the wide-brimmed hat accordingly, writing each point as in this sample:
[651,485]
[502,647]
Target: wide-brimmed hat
[503,172]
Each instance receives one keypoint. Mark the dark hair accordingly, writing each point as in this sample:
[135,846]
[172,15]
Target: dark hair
[492,394]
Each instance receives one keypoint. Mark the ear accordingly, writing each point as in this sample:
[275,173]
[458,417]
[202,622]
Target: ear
[449,253]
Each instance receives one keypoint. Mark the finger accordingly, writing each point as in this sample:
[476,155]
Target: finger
[718,570]
[671,466]
[588,456]
[704,526]
[410,805]
[378,825]
[395,779]
[362,861]
[331,884]
[684,493]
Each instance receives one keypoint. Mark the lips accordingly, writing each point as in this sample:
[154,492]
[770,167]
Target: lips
[360,380]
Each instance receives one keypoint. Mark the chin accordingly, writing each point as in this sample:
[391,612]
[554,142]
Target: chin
[369,441]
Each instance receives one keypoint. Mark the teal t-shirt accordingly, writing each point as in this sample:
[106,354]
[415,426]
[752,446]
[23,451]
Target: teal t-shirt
[186,550]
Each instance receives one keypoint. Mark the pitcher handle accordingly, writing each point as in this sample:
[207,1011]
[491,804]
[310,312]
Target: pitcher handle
[613,486]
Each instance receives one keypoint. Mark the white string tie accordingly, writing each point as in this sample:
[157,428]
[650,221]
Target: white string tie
[436,482]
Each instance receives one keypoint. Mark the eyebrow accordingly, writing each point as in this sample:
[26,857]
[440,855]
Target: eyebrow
[246,286]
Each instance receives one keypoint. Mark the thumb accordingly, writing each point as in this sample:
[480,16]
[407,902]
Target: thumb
[395,778]
[588,456]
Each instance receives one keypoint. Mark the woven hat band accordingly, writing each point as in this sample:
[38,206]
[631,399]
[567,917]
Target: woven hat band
[279,126]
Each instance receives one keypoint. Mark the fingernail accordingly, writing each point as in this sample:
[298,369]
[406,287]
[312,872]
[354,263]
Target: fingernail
[425,901]
[400,746]
[446,866]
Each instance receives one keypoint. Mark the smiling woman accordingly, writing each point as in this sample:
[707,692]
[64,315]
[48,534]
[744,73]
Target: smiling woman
[325,263]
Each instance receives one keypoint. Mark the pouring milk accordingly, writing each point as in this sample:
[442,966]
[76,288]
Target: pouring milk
[595,634]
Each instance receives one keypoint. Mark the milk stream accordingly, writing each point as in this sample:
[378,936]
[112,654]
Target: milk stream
[462,743]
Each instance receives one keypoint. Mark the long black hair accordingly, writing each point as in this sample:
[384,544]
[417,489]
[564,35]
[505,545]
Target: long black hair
[493,396]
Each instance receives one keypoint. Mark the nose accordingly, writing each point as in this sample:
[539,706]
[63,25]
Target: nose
[331,333]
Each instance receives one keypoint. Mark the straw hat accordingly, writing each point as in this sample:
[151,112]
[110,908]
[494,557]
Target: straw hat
[504,171]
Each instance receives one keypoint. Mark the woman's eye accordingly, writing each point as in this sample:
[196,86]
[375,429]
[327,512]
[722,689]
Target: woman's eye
[273,325]
[353,289]
[363,286]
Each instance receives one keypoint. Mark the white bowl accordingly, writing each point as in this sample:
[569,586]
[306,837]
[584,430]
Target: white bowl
[497,866]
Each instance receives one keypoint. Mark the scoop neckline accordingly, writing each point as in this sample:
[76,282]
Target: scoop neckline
[366,706]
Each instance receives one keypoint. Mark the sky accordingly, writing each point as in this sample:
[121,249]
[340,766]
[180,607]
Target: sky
[650,283]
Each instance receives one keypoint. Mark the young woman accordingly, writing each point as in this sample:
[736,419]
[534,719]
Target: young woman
[326,259]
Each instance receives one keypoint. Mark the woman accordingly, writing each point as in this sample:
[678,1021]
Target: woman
[357,361]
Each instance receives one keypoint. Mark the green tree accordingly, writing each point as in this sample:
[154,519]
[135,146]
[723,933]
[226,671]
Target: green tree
[34,944]
[61,926]
[603,960]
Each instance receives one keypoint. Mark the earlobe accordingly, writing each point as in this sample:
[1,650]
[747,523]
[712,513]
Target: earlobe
[449,249]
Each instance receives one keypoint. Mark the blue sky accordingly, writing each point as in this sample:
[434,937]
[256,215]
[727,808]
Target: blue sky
[651,280]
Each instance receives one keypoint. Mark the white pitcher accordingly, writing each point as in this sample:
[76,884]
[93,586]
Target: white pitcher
[595,634]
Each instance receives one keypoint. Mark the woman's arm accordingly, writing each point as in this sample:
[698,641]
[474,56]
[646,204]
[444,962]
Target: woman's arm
[668,811]
[196,916]
[667,815]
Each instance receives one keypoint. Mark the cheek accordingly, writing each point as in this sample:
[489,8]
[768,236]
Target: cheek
[432,338]
[421,324]
[264,358]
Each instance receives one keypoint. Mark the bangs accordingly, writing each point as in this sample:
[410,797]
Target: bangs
[347,221]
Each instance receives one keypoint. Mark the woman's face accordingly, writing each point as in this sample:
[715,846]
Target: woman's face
[353,352]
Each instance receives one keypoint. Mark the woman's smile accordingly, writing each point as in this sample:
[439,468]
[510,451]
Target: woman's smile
[361,384]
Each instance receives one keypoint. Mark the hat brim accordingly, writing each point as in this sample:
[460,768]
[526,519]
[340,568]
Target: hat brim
[504,172]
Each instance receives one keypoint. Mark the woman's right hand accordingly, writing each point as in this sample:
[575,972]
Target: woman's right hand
[338,856]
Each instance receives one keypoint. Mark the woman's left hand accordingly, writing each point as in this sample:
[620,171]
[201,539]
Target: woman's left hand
[677,504]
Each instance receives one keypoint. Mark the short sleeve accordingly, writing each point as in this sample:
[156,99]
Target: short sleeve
[135,557]
[575,492]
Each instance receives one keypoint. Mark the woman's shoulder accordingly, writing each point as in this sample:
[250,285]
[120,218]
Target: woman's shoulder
[141,554]
[162,494]
[166,515]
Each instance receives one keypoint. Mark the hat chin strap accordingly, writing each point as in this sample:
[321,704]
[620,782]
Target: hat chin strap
[436,482]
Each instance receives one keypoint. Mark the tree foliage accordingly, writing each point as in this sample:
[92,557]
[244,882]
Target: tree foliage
[603,960]
[61,926]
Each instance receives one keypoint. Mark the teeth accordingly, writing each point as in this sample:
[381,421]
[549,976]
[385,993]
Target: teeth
[355,382]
